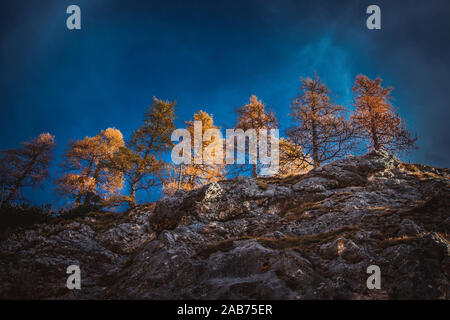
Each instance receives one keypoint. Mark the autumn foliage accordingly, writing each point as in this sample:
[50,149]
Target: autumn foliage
[27,166]
[376,120]
[141,159]
[106,169]
[254,115]
[191,176]
[292,159]
[88,177]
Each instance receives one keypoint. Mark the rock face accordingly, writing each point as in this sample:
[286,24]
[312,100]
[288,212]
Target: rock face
[309,236]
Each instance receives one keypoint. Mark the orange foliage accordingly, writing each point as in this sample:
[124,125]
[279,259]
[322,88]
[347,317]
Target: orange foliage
[88,177]
[192,176]
[375,118]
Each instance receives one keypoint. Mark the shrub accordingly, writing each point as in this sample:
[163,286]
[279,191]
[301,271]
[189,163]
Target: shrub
[80,211]
[13,216]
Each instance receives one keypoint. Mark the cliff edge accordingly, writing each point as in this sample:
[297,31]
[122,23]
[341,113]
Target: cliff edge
[308,236]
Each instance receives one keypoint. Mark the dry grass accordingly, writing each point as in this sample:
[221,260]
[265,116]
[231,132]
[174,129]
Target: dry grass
[297,212]
[300,217]
[264,268]
[379,208]
[284,181]
[389,242]
[102,221]
[223,246]
[318,238]
[410,167]
[383,211]
[444,236]
[415,171]
[277,243]
[430,212]
[262,185]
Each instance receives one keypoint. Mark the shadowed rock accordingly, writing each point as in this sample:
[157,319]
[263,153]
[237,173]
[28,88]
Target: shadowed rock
[309,236]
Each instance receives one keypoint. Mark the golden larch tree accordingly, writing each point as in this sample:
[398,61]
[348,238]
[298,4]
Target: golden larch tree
[376,120]
[291,159]
[141,160]
[254,115]
[88,175]
[194,175]
[26,166]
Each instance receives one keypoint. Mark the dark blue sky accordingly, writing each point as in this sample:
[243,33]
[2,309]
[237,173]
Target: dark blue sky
[213,55]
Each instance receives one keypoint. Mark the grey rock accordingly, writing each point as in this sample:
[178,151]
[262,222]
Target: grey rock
[307,237]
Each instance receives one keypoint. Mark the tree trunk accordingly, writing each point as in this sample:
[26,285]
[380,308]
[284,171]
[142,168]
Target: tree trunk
[13,192]
[315,146]
[81,192]
[88,197]
[78,199]
[376,144]
[374,134]
[373,130]
[132,196]
[179,178]
[254,170]
[19,181]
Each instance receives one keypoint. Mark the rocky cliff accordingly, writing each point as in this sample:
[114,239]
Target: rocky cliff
[309,236]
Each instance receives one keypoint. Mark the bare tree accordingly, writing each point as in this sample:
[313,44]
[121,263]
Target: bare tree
[321,128]
[27,166]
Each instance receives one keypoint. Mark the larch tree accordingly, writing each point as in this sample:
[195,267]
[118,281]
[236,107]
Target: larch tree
[321,128]
[254,115]
[26,166]
[141,159]
[89,177]
[198,173]
[291,159]
[376,120]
